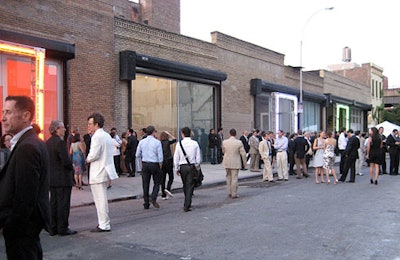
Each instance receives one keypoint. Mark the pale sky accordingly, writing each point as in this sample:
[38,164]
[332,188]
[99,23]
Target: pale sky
[368,27]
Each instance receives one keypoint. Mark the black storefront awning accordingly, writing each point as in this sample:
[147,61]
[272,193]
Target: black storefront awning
[351,102]
[54,49]
[132,62]
[257,86]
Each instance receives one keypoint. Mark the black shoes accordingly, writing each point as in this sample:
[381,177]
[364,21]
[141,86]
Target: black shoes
[68,233]
[155,204]
[372,182]
[99,230]
[187,209]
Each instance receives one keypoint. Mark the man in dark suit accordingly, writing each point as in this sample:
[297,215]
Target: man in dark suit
[61,180]
[87,138]
[393,144]
[301,146]
[351,155]
[245,142]
[131,146]
[383,151]
[24,182]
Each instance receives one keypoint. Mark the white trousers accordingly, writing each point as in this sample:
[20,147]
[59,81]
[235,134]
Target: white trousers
[282,165]
[99,192]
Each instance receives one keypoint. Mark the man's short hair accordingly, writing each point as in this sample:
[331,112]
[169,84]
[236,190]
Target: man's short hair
[23,103]
[150,130]
[350,131]
[186,131]
[97,119]
[130,130]
[232,132]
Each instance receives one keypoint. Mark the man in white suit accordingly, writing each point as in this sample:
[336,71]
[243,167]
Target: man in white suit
[234,156]
[102,169]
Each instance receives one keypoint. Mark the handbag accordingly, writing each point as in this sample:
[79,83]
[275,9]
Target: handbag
[198,176]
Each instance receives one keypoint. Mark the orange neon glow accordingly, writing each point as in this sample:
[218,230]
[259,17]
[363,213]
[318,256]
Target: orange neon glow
[37,91]
[40,55]
[26,51]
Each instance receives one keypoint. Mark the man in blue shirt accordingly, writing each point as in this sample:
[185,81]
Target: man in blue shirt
[150,152]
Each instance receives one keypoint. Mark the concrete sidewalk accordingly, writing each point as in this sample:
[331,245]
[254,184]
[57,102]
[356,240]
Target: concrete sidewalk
[131,188]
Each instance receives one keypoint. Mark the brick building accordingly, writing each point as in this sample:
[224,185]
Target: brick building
[128,61]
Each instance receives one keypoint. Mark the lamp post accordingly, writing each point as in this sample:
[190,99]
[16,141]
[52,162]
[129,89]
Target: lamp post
[301,63]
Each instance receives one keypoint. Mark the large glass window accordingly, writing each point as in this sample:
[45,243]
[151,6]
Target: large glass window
[172,104]
[311,116]
[356,121]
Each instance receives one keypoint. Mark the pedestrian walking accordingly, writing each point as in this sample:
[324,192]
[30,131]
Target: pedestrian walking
[234,154]
[149,151]
[183,168]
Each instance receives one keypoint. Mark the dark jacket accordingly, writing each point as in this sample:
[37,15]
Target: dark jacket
[301,147]
[131,147]
[24,185]
[352,146]
[212,141]
[245,143]
[391,144]
[61,170]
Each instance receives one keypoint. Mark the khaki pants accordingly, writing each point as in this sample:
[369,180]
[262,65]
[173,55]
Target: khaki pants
[232,181]
[282,165]
[267,171]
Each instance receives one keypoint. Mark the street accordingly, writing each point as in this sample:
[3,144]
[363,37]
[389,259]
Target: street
[297,219]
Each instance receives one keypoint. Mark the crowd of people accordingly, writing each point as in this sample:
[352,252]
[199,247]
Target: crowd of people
[284,151]
[32,169]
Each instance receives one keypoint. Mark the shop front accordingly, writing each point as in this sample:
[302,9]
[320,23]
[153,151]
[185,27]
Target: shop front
[276,107]
[28,68]
[172,95]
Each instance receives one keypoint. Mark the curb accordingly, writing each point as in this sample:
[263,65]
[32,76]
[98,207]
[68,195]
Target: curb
[177,190]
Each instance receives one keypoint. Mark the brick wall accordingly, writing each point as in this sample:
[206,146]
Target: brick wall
[88,25]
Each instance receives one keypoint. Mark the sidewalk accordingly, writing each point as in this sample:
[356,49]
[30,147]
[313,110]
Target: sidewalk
[125,188]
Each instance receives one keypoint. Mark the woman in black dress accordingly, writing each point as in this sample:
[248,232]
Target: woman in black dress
[373,154]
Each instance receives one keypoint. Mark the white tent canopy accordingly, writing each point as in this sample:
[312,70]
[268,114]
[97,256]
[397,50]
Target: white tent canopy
[387,127]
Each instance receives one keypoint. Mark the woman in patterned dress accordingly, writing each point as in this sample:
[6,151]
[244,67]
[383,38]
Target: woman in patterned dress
[77,152]
[329,156]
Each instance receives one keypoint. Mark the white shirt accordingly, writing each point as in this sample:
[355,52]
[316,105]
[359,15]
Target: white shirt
[342,143]
[16,137]
[192,150]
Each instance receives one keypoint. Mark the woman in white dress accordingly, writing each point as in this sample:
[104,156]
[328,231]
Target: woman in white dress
[318,147]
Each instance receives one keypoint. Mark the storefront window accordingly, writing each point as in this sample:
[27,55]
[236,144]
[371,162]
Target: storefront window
[311,116]
[356,119]
[172,104]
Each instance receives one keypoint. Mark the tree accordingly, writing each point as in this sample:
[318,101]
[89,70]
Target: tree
[392,115]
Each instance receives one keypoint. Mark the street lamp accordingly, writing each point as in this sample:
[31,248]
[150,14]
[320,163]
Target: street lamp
[301,63]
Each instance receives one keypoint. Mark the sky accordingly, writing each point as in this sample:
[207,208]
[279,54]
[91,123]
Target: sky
[368,27]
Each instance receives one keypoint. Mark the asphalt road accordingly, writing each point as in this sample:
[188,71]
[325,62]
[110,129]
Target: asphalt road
[297,219]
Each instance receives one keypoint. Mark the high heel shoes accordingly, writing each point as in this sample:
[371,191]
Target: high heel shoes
[376,182]
[336,181]
[328,181]
[372,182]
